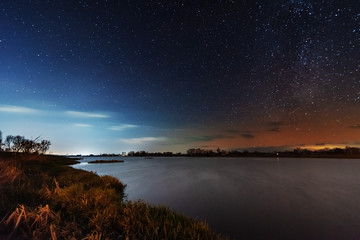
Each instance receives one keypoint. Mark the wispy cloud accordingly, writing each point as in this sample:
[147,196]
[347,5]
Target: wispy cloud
[16,109]
[356,126]
[274,126]
[274,129]
[266,149]
[84,125]
[248,135]
[87,114]
[275,123]
[142,140]
[244,134]
[122,127]
[234,131]
[207,138]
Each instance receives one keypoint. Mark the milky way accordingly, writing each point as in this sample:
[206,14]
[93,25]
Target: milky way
[160,75]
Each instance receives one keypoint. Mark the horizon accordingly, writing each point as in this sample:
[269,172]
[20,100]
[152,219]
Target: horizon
[104,77]
[315,149]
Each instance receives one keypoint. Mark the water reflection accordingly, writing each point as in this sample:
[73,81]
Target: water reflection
[251,198]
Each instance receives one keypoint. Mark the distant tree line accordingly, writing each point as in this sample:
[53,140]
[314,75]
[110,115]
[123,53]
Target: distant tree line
[21,144]
[204,152]
[153,154]
[347,152]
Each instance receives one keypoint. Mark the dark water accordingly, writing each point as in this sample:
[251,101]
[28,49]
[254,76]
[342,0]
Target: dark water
[251,198]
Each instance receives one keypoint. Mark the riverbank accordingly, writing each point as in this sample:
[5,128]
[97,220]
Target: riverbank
[42,197]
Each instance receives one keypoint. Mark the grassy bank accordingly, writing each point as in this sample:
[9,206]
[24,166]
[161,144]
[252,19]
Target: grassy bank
[41,197]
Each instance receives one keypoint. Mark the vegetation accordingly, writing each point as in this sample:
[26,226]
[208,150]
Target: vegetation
[347,152]
[21,144]
[41,197]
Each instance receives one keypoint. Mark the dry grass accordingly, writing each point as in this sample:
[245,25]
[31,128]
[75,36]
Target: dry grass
[94,236]
[10,173]
[143,221]
[40,222]
[19,217]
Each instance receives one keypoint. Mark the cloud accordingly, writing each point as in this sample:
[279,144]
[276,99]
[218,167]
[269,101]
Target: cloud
[244,134]
[207,138]
[231,131]
[274,124]
[274,129]
[122,127]
[86,114]
[247,135]
[320,144]
[142,140]
[356,126]
[82,125]
[209,146]
[16,109]
[266,149]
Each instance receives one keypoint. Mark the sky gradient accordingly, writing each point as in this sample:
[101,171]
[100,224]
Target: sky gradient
[115,76]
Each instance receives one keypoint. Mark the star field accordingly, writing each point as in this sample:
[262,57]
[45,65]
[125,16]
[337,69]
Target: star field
[229,74]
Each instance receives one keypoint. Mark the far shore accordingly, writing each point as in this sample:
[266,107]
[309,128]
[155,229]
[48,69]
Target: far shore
[347,152]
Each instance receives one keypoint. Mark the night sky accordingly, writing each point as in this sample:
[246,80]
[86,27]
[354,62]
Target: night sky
[114,76]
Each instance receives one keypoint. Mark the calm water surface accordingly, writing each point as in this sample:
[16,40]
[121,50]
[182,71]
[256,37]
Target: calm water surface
[250,198]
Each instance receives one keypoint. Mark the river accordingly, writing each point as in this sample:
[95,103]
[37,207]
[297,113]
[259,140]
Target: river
[249,198]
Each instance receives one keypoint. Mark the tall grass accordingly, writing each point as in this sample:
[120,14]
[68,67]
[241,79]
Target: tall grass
[45,199]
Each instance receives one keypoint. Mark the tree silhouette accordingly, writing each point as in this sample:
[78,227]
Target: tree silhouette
[9,142]
[20,144]
[28,145]
[44,146]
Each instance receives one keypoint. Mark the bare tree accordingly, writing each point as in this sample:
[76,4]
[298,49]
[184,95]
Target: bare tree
[9,142]
[21,144]
[28,146]
[44,146]
[18,143]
